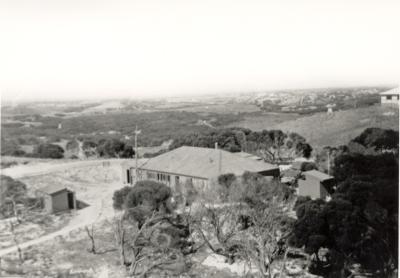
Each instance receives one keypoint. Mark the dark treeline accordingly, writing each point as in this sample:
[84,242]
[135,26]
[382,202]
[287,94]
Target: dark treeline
[272,145]
[359,225]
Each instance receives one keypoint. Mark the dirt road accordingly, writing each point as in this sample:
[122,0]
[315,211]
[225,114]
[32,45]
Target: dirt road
[94,212]
[42,168]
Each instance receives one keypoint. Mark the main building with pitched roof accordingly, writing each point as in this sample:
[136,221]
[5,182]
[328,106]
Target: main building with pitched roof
[199,166]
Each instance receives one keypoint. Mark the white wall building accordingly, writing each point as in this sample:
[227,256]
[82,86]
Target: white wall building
[390,97]
[199,166]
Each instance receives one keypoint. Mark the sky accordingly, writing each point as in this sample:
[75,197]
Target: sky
[72,49]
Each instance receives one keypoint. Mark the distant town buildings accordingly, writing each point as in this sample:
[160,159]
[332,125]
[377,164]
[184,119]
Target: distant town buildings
[390,97]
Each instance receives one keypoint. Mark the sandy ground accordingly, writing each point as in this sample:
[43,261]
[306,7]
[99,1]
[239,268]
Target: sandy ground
[39,167]
[94,182]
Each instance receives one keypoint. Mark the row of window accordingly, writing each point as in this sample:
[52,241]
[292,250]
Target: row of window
[390,97]
[167,179]
[158,176]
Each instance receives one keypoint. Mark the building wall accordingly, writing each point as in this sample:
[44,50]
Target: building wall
[48,203]
[60,201]
[175,182]
[391,100]
[323,192]
[309,187]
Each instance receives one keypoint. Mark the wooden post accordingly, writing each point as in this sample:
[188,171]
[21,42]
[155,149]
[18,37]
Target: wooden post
[137,132]
[329,161]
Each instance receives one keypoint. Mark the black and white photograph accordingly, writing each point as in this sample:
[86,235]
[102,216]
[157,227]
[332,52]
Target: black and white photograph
[199,138]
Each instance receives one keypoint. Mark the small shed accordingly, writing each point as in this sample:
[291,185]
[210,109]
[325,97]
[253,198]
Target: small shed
[315,184]
[390,97]
[58,198]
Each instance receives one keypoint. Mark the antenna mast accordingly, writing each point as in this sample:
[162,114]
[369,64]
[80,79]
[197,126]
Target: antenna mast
[219,158]
[137,132]
[329,161]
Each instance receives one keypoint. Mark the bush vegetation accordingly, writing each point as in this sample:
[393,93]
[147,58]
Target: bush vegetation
[13,195]
[272,145]
[48,151]
[360,224]
[156,127]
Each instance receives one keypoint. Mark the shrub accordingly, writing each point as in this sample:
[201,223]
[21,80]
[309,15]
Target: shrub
[49,151]
[152,194]
[308,166]
[225,181]
[380,139]
[120,196]
[72,145]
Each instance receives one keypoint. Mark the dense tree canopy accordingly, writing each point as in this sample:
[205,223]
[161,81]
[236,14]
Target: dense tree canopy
[360,223]
[153,194]
[114,148]
[352,165]
[12,192]
[379,139]
[119,197]
[49,151]
[272,145]
[142,199]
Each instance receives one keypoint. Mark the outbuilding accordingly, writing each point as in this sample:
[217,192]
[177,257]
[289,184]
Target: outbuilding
[315,184]
[58,198]
[390,97]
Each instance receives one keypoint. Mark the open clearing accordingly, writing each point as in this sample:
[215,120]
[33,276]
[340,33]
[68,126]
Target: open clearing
[322,129]
[94,182]
[64,252]
[262,121]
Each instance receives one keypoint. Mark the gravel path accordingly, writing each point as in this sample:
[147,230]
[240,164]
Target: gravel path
[82,218]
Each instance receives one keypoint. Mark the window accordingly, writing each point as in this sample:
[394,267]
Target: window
[160,177]
[128,176]
[388,97]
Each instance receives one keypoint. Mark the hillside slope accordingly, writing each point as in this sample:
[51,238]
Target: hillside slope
[337,129]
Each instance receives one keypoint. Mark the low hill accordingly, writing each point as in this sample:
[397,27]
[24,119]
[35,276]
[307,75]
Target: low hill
[339,128]
[321,129]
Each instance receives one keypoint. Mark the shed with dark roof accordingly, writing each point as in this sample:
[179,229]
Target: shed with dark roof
[58,198]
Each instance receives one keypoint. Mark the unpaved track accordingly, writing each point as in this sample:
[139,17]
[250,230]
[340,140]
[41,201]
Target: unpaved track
[82,218]
[43,168]
[64,231]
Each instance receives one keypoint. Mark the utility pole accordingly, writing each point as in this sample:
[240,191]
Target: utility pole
[219,153]
[137,132]
[329,161]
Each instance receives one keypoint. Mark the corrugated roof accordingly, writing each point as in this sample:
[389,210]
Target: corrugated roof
[53,188]
[318,175]
[204,163]
[394,91]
